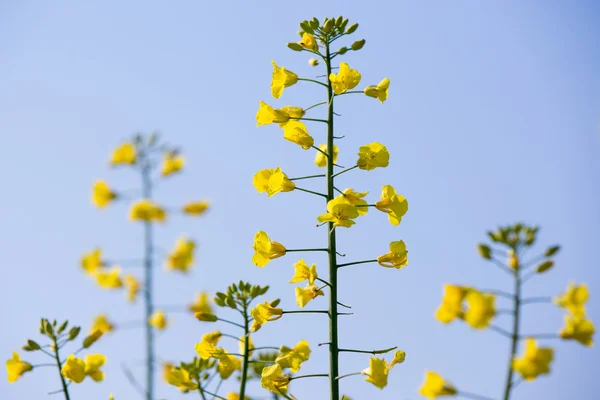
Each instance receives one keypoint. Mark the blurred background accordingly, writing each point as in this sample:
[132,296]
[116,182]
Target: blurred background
[493,118]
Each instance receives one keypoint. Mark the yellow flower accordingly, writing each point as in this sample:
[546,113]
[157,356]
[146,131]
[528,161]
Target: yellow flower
[308,42]
[180,378]
[132,287]
[573,299]
[228,364]
[339,212]
[167,367]
[272,181]
[373,155]
[379,91]
[302,272]
[111,396]
[274,380]
[158,320]
[73,369]
[296,132]
[207,346]
[92,261]
[396,258]
[282,78]
[395,205]
[345,79]
[15,367]
[321,160]
[451,307]
[356,199]
[267,115]
[235,396]
[293,111]
[480,309]
[124,154]
[399,357]
[435,386]
[196,207]
[293,358]
[109,279]
[172,162]
[93,362]
[102,323]
[102,194]
[182,256]
[377,373]
[265,250]
[147,210]
[310,292]
[250,345]
[578,328]
[264,313]
[201,305]
[534,362]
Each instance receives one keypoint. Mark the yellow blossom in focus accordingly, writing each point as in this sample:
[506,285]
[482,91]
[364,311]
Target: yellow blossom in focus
[228,364]
[321,160]
[373,155]
[182,256]
[73,369]
[379,91]
[293,358]
[92,261]
[274,380]
[451,307]
[272,181]
[102,194]
[573,299]
[534,362]
[282,78]
[102,323]
[309,42]
[339,212]
[132,287]
[196,207]
[356,199]
[93,363]
[243,343]
[15,367]
[180,378]
[399,357]
[172,162]
[435,386]
[208,344]
[201,305]
[578,328]
[124,154]
[264,313]
[481,308]
[345,79]
[110,278]
[146,210]
[395,205]
[396,258]
[267,115]
[265,250]
[302,272]
[377,373]
[293,111]
[304,295]
[296,132]
[158,320]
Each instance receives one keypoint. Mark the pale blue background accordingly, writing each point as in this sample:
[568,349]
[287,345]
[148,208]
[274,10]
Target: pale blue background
[493,117]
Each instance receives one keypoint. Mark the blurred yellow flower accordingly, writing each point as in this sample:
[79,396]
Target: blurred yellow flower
[132,287]
[102,323]
[302,272]
[235,396]
[321,160]
[293,111]
[451,307]
[243,342]
[272,181]
[201,304]
[167,367]
[481,308]
[109,278]
[293,358]
[208,344]
[578,328]
[265,250]
[102,194]
[15,367]
[180,378]
[373,155]
[158,320]
[379,91]
[172,162]
[395,205]
[282,78]
[124,154]
[227,364]
[147,210]
[264,313]
[534,362]
[304,295]
[396,258]
[573,299]
[92,261]
[274,380]
[345,79]
[182,256]
[377,373]
[296,132]
[435,386]
[196,207]
[339,212]
[93,363]
[73,369]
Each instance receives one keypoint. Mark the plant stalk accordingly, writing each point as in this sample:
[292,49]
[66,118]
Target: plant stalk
[59,365]
[246,355]
[148,282]
[515,334]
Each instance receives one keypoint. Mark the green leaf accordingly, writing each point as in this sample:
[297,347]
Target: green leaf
[74,332]
[552,251]
[545,266]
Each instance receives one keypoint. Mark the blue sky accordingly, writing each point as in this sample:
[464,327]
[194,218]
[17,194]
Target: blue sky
[493,117]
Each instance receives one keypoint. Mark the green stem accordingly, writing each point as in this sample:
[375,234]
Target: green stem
[474,396]
[230,322]
[315,105]
[246,353]
[532,300]
[344,170]
[347,375]
[309,191]
[148,277]
[351,92]
[309,376]
[515,335]
[201,391]
[356,263]
[59,365]
[312,80]
[333,311]
[306,312]
[369,351]
[299,250]
[308,177]
[310,119]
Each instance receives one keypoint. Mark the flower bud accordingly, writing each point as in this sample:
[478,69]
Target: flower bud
[352,28]
[484,251]
[513,261]
[552,251]
[358,44]
[294,46]
[343,50]
[305,26]
[545,266]
[313,62]
[328,26]
[206,317]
